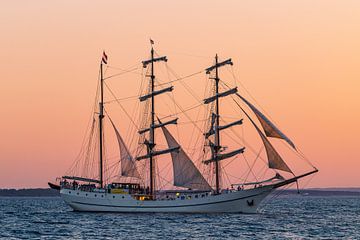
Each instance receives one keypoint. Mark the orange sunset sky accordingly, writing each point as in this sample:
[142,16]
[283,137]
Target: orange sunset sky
[299,59]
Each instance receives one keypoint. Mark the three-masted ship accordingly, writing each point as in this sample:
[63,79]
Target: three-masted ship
[194,191]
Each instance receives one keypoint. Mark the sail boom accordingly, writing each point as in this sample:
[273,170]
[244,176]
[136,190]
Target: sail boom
[173,121]
[219,95]
[220,64]
[81,179]
[294,179]
[224,156]
[146,62]
[156,153]
[212,131]
[154,93]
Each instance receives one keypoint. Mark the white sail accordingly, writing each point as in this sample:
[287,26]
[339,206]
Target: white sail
[274,159]
[270,129]
[185,172]
[128,167]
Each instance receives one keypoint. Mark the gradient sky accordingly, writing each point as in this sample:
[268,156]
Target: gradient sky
[299,59]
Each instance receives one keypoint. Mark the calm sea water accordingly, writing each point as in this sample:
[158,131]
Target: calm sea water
[292,217]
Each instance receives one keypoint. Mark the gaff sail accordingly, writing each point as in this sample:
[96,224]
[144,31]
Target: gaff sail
[128,167]
[270,129]
[185,172]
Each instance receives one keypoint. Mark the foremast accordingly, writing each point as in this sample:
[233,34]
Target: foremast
[150,144]
[216,148]
[101,117]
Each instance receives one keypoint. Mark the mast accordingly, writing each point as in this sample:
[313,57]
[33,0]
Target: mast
[151,152]
[152,132]
[101,116]
[216,155]
[217,120]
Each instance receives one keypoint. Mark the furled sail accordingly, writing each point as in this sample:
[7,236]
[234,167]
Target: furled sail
[128,167]
[270,129]
[212,130]
[185,172]
[219,95]
[222,156]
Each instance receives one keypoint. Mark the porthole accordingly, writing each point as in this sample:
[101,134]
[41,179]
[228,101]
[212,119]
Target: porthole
[95,195]
[77,193]
[123,197]
[86,194]
[69,191]
[102,195]
[113,196]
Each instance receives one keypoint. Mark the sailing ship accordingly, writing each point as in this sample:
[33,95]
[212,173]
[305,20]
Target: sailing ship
[137,188]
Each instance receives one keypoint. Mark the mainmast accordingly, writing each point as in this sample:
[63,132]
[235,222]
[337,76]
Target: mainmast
[217,120]
[150,144]
[101,116]
[216,147]
[152,132]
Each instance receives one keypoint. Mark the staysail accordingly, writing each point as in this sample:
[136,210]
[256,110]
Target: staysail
[185,172]
[270,129]
[128,167]
[274,159]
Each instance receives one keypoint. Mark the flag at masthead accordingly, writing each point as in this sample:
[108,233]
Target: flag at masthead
[104,58]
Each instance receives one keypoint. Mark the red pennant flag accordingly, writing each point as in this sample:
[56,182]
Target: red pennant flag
[104,58]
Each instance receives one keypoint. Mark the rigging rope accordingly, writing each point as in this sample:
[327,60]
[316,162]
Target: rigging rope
[180,78]
[127,114]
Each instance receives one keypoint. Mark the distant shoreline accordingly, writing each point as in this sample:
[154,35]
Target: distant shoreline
[47,192]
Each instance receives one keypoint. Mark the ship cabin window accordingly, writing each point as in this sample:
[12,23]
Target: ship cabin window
[102,195]
[113,196]
[196,196]
[95,195]
[182,197]
[123,197]
[77,193]
[69,191]
[202,195]
[86,194]
[124,185]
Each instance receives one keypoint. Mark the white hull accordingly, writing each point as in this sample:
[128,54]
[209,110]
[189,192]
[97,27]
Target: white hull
[244,201]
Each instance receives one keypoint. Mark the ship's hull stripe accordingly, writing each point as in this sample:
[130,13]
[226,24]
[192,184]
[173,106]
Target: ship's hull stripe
[190,205]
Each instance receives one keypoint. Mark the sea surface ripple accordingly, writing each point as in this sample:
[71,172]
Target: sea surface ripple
[287,217]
